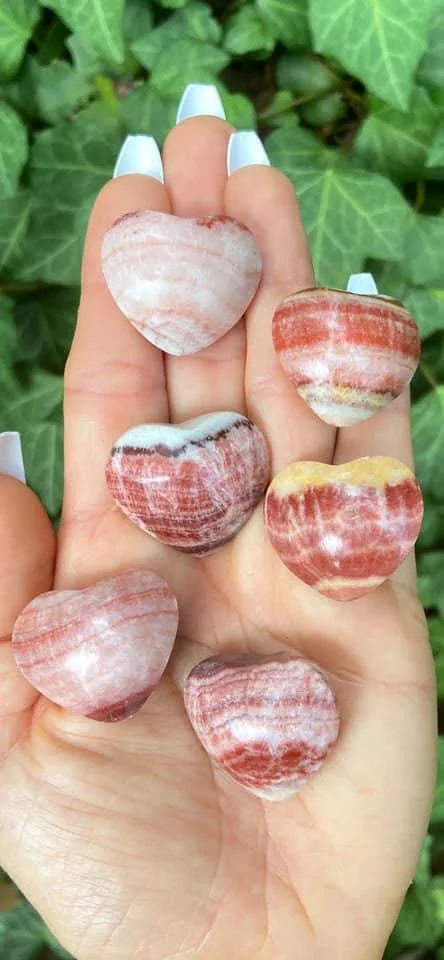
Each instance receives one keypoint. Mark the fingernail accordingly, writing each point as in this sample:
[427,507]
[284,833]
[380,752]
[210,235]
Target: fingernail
[362,283]
[245,148]
[200,100]
[139,154]
[11,456]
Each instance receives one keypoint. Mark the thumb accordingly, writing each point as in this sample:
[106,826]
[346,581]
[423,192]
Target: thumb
[27,555]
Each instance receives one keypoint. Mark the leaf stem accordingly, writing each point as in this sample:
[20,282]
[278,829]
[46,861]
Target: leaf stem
[25,287]
[298,101]
[420,195]
[427,373]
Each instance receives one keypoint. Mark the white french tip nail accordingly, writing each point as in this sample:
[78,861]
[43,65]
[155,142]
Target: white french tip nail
[11,456]
[139,154]
[244,149]
[200,100]
[362,283]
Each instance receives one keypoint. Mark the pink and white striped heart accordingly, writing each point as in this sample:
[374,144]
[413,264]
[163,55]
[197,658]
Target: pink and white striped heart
[182,283]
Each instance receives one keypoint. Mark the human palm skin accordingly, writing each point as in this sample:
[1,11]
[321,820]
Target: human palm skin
[128,840]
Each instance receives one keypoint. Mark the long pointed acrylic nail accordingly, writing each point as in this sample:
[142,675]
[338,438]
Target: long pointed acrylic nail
[11,456]
[200,100]
[139,154]
[244,149]
[362,283]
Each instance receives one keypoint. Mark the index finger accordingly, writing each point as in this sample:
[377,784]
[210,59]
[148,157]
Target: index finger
[114,378]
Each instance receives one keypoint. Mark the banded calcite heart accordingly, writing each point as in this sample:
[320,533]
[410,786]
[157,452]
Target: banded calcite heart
[192,485]
[347,354]
[182,283]
[268,721]
[344,529]
[100,651]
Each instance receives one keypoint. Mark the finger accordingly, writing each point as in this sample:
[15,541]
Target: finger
[388,434]
[195,174]
[263,199]
[114,378]
[26,570]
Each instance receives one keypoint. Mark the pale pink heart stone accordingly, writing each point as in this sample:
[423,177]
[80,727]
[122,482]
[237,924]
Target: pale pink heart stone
[182,283]
[100,651]
[191,485]
[269,721]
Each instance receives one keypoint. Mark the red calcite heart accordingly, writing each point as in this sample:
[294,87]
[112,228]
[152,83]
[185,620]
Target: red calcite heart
[344,529]
[182,283]
[191,485]
[268,721]
[100,651]
[347,354]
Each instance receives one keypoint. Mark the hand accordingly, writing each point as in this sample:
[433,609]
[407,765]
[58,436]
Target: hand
[124,836]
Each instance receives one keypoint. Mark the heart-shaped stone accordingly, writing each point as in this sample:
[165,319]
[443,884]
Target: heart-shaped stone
[100,651]
[191,485]
[347,354]
[268,721]
[344,529]
[182,283]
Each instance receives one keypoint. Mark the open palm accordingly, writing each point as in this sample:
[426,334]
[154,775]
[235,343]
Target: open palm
[125,837]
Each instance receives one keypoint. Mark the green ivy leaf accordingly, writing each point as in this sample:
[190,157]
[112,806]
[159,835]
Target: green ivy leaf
[396,143]
[432,530]
[193,33]
[418,923]
[427,307]
[87,61]
[379,42]
[43,457]
[52,250]
[248,32]
[431,67]
[13,149]
[288,21]
[239,110]
[291,148]
[438,805]
[44,324]
[145,110]
[71,163]
[14,219]
[193,62]
[425,304]
[436,631]
[430,567]
[424,243]
[17,21]
[195,22]
[59,89]
[428,439]
[435,156]
[137,19]
[173,4]
[8,341]
[99,23]
[35,403]
[21,933]
[304,73]
[348,214]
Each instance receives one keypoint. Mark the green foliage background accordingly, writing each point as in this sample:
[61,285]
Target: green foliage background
[349,95]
